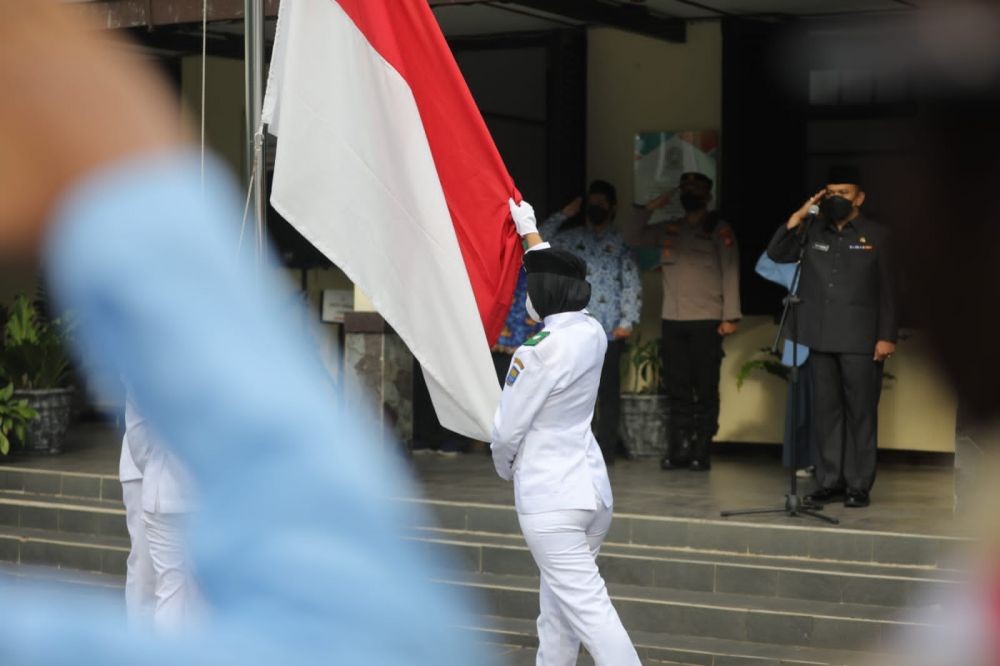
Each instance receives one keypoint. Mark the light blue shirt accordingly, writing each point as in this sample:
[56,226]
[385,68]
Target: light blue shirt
[782,274]
[297,549]
[616,291]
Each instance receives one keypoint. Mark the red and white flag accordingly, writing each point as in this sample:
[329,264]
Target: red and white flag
[384,164]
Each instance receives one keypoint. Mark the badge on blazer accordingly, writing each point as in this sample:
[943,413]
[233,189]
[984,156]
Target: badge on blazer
[536,338]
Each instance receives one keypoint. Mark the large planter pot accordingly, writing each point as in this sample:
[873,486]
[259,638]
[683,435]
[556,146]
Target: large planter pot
[644,425]
[45,434]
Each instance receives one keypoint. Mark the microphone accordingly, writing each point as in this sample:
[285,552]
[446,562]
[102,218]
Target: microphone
[813,210]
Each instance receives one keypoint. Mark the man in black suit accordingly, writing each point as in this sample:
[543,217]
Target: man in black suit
[848,319]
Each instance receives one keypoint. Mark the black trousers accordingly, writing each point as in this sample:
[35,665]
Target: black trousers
[846,391]
[692,356]
[609,400]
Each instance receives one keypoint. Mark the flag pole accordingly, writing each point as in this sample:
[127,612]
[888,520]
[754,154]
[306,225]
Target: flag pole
[253,44]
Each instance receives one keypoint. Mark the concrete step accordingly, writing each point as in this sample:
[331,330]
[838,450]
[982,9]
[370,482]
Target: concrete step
[734,617]
[813,540]
[69,515]
[60,484]
[754,575]
[666,648]
[77,552]
[64,579]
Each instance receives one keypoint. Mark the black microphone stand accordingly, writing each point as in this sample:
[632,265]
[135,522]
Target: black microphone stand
[794,506]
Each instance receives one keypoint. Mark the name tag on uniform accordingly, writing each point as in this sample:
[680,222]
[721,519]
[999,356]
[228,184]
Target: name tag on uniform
[822,247]
[862,247]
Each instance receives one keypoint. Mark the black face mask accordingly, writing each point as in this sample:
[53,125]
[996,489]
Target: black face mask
[836,208]
[692,202]
[597,214]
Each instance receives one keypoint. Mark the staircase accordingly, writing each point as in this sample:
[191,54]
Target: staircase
[689,591]
[710,592]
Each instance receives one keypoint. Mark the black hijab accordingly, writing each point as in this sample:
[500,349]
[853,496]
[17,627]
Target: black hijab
[557,281]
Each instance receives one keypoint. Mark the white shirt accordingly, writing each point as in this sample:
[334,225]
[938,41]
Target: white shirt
[542,428]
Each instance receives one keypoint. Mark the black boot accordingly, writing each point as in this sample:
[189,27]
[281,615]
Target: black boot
[701,459]
[678,450]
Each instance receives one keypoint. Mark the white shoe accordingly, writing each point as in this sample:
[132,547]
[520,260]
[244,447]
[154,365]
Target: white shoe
[806,472]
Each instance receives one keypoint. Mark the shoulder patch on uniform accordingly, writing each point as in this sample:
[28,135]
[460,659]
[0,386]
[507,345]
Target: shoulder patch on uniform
[512,376]
[536,338]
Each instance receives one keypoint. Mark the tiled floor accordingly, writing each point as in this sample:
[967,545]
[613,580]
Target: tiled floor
[910,499]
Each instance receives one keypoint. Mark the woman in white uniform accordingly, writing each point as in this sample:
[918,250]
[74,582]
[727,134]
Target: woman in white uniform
[542,440]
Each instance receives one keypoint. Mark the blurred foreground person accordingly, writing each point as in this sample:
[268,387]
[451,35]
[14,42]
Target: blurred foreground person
[542,440]
[295,549]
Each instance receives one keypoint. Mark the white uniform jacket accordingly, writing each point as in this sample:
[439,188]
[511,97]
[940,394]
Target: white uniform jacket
[541,432]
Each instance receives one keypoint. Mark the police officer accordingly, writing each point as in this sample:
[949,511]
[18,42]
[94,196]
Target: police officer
[848,319]
[700,263]
[542,440]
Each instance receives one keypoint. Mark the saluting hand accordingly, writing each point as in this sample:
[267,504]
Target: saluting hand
[802,213]
[661,201]
[573,207]
[621,333]
[883,350]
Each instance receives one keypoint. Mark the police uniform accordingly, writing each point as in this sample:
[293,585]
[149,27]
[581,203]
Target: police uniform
[700,268]
[848,304]
[542,440]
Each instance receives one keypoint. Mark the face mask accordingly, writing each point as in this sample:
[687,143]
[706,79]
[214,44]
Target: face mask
[836,208]
[692,202]
[597,214]
[531,309]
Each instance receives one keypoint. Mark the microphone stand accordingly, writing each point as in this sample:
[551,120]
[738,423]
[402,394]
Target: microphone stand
[793,506]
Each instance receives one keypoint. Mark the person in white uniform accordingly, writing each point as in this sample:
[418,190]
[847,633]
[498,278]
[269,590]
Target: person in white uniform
[165,498]
[140,578]
[542,440]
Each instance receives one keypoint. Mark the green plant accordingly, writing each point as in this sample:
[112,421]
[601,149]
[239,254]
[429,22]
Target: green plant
[33,355]
[14,417]
[641,375]
[770,362]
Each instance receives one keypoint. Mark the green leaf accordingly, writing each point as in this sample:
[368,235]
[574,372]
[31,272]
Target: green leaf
[4,444]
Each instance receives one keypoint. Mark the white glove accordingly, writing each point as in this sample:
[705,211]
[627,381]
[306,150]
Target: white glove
[524,218]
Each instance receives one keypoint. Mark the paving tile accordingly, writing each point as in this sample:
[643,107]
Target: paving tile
[112,525]
[779,542]
[10,515]
[36,552]
[659,533]
[621,530]
[837,634]
[39,518]
[42,484]
[500,521]
[683,575]
[114,562]
[11,480]
[880,591]
[829,544]
[781,629]
[83,559]
[812,586]
[81,486]
[79,522]
[626,570]
[744,580]
[111,489]
[9,549]
[513,561]
[905,550]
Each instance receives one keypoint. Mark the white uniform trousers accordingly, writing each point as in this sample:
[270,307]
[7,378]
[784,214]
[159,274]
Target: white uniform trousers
[573,599]
[177,598]
[140,577]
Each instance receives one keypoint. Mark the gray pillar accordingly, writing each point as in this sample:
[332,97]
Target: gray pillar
[378,374]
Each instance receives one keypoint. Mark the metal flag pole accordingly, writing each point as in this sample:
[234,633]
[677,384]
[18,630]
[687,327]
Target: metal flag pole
[253,42]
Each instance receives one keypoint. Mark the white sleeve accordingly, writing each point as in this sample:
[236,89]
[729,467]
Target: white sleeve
[528,385]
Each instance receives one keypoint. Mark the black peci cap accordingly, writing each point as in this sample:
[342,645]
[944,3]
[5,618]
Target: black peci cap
[555,262]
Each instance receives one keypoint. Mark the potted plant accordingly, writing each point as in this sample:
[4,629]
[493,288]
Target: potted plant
[644,408]
[35,363]
[15,415]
